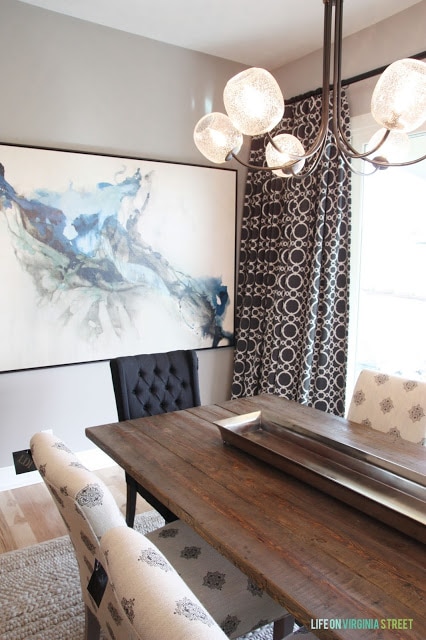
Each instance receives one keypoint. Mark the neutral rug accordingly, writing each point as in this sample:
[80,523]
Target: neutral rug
[40,596]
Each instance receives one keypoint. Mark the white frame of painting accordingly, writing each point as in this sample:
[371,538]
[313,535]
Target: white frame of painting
[104,255]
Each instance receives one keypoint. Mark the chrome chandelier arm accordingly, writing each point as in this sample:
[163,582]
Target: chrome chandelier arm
[344,145]
[326,66]
[384,164]
[348,162]
[286,166]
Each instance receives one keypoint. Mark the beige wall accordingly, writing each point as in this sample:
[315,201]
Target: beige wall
[73,85]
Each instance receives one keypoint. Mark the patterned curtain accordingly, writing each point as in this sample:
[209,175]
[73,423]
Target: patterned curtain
[293,286]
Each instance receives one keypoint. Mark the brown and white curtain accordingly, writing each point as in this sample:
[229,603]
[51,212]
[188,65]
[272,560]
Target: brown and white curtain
[293,286]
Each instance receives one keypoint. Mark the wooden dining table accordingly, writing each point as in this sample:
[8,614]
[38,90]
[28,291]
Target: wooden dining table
[341,571]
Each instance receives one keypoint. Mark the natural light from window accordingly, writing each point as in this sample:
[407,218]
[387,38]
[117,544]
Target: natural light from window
[388,276]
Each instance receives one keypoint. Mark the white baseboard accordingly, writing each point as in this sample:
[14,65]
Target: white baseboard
[93,459]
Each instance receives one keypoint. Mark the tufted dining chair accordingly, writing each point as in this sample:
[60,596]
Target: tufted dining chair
[90,511]
[147,385]
[391,404]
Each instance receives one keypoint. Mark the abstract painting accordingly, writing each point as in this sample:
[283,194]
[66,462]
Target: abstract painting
[102,256]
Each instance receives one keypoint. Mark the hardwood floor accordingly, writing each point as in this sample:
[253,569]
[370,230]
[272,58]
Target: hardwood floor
[28,515]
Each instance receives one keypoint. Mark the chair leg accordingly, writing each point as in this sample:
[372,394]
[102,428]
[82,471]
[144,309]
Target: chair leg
[131,501]
[92,628]
[133,488]
[283,627]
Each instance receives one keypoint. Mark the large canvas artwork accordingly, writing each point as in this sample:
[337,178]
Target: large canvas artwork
[103,256]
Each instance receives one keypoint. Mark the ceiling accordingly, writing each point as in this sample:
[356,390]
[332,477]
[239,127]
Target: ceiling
[266,33]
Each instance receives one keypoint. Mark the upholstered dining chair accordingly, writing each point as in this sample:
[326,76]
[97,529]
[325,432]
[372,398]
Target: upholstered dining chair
[391,404]
[90,511]
[150,598]
[147,385]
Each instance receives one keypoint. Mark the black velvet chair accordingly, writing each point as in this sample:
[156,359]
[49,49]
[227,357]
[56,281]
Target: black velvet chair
[147,385]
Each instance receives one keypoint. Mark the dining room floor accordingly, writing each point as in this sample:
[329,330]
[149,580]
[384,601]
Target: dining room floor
[28,514]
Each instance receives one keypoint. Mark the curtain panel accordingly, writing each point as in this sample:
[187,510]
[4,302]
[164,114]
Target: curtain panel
[293,281]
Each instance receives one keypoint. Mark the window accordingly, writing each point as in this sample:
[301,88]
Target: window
[388,267]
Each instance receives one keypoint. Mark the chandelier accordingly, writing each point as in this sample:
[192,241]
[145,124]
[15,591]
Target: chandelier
[255,105]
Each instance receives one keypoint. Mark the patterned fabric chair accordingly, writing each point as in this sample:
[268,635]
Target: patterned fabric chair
[391,404]
[147,385]
[151,599]
[215,580]
[90,511]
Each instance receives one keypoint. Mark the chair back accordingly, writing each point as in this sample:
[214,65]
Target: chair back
[150,596]
[391,404]
[149,384]
[84,502]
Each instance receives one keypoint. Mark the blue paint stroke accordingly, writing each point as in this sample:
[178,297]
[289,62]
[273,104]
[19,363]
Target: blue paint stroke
[94,251]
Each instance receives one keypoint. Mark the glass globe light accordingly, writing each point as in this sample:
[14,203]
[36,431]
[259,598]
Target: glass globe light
[216,137]
[395,148]
[253,101]
[399,98]
[289,147]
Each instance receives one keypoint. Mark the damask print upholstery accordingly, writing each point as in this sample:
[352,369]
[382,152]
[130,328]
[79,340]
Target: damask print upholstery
[151,599]
[88,510]
[391,404]
[231,597]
